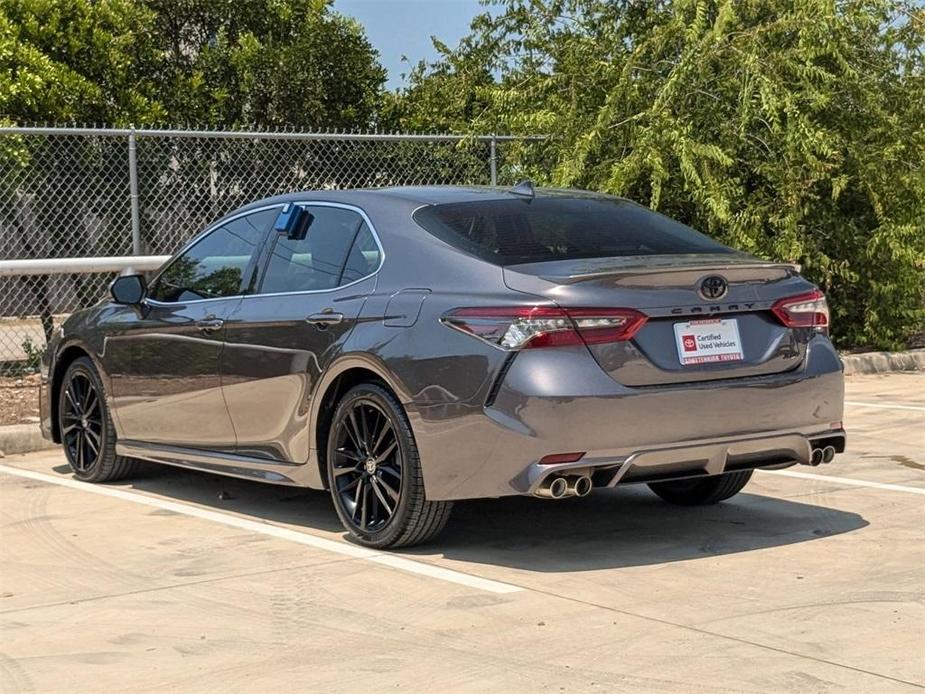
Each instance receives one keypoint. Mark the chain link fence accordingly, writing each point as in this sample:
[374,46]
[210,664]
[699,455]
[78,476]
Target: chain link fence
[90,193]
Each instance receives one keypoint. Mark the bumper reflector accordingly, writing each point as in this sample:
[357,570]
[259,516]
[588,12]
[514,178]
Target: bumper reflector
[557,458]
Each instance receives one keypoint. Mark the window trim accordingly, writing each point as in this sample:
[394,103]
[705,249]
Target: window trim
[265,262]
[215,226]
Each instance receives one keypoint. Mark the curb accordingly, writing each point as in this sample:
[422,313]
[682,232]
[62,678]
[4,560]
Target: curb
[884,362]
[22,438]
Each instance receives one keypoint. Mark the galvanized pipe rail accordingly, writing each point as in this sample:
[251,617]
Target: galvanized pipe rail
[62,266]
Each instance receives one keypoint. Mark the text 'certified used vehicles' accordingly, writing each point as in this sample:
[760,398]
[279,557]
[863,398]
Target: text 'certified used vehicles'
[408,347]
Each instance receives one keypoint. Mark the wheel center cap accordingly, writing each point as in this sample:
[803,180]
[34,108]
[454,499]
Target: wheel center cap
[83,422]
[370,466]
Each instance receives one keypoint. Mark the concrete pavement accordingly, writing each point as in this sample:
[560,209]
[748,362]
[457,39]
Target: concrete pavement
[187,582]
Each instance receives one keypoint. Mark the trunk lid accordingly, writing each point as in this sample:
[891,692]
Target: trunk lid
[667,288]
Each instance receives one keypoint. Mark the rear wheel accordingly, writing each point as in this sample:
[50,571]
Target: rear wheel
[375,472]
[702,490]
[87,433]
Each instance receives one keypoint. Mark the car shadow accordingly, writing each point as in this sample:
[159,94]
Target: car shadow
[628,527]
[609,529]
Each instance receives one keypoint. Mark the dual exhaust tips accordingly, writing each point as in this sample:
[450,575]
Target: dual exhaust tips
[821,455]
[559,487]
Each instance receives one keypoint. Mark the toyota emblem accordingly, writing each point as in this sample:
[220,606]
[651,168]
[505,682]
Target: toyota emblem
[713,287]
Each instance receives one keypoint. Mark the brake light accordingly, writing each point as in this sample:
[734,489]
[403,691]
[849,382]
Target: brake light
[808,310]
[528,327]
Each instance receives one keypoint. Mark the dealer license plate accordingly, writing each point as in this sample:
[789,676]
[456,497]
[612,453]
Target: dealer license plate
[708,340]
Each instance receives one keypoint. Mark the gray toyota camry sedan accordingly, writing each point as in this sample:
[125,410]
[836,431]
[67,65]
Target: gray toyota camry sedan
[408,347]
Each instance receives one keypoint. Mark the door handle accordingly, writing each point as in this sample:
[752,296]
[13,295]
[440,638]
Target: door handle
[210,325]
[325,318]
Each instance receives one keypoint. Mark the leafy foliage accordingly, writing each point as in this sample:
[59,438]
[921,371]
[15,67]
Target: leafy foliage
[204,63]
[76,60]
[792,129]
[265,62]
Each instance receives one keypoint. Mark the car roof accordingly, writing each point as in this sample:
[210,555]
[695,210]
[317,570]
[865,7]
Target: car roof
[417,196]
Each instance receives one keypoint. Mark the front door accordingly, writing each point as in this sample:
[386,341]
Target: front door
[281,338]
[164,360]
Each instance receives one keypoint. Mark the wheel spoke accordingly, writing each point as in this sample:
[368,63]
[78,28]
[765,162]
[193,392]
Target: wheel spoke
[68,429]
[80,450]
[354,431]
[350,485]
[357,497]
[393,493]
[365,498]
[381,496]
[93,441]
[364,424]
[92,402]
[386,429]
[85,401]
[389,469]
[388,451]
[338,471]
[349,454]
[74,406]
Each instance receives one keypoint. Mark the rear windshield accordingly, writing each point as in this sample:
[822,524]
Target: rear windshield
[507,232]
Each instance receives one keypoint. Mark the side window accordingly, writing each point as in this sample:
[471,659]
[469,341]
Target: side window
[216,264]
[338,248]
[363,258]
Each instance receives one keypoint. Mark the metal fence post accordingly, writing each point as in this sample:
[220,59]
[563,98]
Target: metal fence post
[133,193]
[493,160]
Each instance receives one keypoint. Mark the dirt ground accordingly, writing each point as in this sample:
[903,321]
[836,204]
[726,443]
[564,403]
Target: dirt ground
[19,400]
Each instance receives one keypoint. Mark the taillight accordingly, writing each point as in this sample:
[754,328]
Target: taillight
[528,327]
[808,310]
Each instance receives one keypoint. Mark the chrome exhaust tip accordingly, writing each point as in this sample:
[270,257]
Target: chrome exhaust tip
[828,454]
[816,457]
[555,488]
[581,486]
[558,488]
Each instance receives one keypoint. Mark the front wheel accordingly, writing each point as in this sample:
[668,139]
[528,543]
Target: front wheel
[702,490]
[374,472]
[87,433]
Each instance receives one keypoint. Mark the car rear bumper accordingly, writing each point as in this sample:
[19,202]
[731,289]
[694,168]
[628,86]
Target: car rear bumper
[559,401]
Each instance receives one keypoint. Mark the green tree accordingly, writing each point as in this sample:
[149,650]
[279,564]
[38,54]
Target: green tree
[793,129]
[228,63]
[75,60]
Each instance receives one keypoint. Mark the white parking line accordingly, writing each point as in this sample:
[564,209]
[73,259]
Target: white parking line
[390,560]
[847,481]
[880,406]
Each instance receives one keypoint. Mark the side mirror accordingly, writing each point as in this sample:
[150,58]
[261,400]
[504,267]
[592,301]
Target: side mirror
[129,289]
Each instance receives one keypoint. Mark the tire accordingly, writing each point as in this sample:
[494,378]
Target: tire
[87,434]
[702,491]
[374,472]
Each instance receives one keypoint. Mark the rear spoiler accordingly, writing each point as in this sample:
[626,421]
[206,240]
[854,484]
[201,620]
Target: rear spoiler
[650,269]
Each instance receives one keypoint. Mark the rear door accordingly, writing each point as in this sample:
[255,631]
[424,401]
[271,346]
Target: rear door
[166,356]
[281,338]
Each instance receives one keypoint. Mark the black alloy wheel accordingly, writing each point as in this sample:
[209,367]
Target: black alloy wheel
[367,466]
[87,433]
[374,472]
[82,422]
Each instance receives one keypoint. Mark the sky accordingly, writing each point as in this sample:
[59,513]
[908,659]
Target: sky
[404,27]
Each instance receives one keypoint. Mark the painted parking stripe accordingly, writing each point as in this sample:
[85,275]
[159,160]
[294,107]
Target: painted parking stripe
[881,406]
[847,481]
[337,547]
